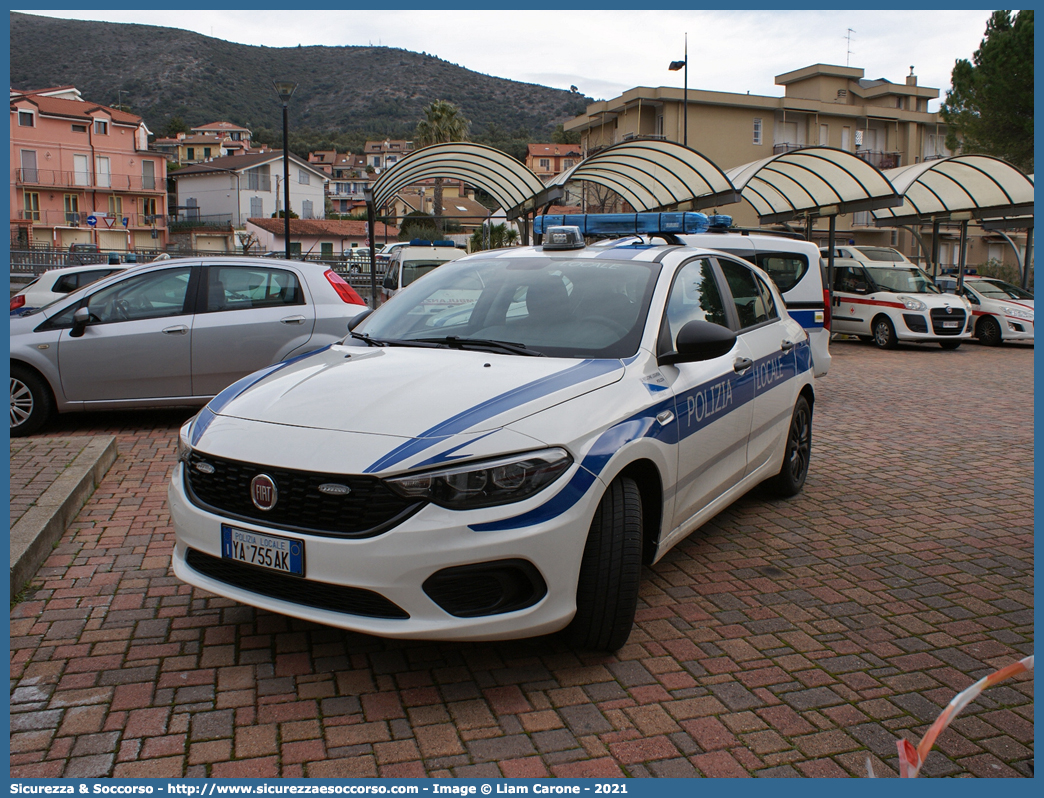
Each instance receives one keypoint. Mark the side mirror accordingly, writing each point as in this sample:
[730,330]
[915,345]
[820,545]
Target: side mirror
[358,319]
[699,341]
[80,320]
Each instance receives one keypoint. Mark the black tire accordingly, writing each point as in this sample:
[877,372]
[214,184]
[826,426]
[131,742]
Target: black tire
[949,344]
[989,332]
[791,477]
[884,333]
[31,402]
[607,592]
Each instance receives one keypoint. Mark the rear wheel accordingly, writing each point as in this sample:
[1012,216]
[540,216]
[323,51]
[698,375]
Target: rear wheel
[989,332]
[791,477]
[949,344]
[607,592]
[31,402]
[884,333]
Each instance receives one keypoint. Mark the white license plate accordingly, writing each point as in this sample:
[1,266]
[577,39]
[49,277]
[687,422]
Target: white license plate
[949,325]
[265,551]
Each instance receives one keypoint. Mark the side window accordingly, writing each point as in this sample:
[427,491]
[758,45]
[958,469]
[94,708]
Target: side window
[153,295]
[850,280]
[65,284]
[785,268]
[247,287]
[746,293]
[694,297]
[767,299]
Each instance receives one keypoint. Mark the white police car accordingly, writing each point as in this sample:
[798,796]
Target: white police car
[496,451]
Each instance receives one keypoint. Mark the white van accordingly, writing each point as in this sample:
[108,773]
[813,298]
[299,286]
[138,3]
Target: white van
[414,261]
[798,272]
[888,302]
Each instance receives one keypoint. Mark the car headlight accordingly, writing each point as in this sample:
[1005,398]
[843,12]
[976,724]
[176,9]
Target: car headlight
[1018,313]
[911,303]
[184,446]
[487,483]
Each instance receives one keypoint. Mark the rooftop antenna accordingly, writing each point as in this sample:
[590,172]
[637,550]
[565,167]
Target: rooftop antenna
[848,57]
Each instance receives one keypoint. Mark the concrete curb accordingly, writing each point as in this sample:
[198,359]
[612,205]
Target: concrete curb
[36,532]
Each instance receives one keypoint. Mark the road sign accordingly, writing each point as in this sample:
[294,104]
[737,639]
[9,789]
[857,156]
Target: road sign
[92,220]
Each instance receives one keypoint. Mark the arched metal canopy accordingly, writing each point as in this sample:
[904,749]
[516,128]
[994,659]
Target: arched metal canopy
[653,175]
[810,181]
[985,186]
[509,182]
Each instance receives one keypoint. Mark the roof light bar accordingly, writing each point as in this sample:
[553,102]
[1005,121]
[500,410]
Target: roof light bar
[630,223]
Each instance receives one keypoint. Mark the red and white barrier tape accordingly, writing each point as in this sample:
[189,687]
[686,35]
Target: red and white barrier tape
[911,759]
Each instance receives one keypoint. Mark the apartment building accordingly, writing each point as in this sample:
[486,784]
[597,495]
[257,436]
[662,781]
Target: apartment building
[887,124]
[348,178]
[213,140]
[548,161]
[382,154]
[83,173]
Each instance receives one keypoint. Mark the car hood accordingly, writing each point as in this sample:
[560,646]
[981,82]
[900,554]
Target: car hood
[410,392]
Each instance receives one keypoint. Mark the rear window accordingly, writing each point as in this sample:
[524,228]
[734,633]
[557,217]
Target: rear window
[882,253]
[785,268]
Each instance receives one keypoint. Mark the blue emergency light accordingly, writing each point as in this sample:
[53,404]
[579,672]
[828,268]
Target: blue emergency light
[592,224]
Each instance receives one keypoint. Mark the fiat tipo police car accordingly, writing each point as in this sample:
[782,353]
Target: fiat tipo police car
[496,451]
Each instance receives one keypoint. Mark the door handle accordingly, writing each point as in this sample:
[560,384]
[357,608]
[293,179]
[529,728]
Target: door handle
[665,418]
[293,320]
[742,364]
[180,329]
[786,346]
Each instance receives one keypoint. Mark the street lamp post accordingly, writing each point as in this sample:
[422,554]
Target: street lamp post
[674,67]
[285,90]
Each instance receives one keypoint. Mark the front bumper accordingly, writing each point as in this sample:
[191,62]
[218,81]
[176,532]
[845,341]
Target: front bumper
[396,564]
[1017,330]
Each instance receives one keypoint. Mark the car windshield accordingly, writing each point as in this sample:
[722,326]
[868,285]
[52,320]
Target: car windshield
[560,307]
[899,280]
[881,253]
[998,289]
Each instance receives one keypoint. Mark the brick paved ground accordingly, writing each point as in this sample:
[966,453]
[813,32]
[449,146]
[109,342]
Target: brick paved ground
[782,639]
[35,463]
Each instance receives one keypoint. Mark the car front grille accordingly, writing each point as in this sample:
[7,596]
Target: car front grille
[939,315]
[368,508]
[915,322]
[294,589]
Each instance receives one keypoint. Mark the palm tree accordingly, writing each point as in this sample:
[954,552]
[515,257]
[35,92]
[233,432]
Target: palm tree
[442,123]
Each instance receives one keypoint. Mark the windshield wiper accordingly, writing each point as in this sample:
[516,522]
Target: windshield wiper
[511,347]
[397,341]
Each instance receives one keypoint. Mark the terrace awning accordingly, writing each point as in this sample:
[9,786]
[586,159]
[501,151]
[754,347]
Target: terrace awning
[984,186]
[651,175]
[509,182]
[811,180]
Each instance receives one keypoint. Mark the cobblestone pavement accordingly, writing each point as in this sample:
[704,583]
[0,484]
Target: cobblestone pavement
[35,463]
[784,638]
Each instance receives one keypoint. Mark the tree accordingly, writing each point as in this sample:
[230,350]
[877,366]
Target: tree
[990,107]
[495,236]
[560,136]
[442,123]
[176,125]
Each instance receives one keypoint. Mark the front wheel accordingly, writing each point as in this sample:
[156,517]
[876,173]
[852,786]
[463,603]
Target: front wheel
[607,591]
[989,332]
[31,403]
[884,333]
[791,477]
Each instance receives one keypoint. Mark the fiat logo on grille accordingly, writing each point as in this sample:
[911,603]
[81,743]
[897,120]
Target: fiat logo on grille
[263,492]
[949,309]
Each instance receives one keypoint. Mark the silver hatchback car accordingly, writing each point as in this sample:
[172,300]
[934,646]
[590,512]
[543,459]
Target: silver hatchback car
[172,332]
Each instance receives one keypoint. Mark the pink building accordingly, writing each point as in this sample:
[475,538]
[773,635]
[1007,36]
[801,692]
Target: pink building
[83,173]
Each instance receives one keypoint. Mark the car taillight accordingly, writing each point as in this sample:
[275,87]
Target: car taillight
[17,301]
[344,291]
[826,309]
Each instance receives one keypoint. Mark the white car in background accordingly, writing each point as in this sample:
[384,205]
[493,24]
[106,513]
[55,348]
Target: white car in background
[496,452]
[56,283]
[866,254]
[1002,311]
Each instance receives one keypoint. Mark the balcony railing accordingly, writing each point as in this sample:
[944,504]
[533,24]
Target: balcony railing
[786,146]
[57,178]
[882,160]
[187,219]
[52,218]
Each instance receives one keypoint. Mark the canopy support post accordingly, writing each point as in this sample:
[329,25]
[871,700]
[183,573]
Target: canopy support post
[371,223]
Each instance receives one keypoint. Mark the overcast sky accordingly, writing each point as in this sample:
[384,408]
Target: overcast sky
[603,53]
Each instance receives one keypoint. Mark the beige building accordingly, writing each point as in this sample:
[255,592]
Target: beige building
[887,124]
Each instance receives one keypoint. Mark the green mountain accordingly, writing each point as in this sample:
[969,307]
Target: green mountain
[344,94]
